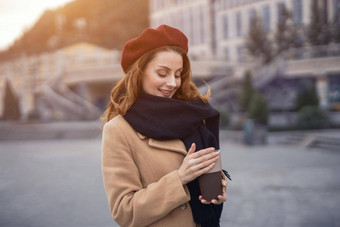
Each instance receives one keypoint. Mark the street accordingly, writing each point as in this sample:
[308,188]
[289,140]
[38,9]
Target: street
[58,183]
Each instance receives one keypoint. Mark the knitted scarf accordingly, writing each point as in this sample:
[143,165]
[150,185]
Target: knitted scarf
[194,121]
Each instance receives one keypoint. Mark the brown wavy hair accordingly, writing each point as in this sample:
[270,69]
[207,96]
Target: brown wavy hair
[126,91]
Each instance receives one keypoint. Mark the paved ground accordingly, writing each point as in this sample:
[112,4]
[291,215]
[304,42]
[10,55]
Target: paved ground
[282,186]
[58,183]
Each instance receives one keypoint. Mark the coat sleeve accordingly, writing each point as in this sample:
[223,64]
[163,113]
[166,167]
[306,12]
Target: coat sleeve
[130,203]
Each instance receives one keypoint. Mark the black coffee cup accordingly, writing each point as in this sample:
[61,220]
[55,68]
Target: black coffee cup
[211,182]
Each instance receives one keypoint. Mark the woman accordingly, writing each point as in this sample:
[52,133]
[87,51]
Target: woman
[159,136]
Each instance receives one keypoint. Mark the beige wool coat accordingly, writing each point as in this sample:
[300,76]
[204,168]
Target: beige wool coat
[141,180]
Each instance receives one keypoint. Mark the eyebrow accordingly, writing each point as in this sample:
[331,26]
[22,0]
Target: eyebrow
[162,66]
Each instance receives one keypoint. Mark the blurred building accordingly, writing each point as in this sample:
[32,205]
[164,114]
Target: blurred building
[72,83]
[217,31]
[216,28]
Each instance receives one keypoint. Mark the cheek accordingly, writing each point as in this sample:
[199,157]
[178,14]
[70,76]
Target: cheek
[151,82]
[179,83]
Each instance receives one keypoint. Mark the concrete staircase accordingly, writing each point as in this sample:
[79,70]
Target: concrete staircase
[293,139]
[316,140]
[227,87]
[326,143]
[54,96]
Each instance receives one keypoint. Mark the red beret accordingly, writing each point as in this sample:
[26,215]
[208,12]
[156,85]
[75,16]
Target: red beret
[151,39]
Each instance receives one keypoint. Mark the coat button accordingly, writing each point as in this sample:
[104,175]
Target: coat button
[184,206]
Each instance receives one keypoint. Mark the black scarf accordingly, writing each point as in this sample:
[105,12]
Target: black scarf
[165,119]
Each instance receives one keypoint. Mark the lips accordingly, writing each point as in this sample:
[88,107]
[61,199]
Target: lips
[166,93]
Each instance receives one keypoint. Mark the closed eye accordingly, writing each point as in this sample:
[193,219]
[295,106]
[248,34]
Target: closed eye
[161,74]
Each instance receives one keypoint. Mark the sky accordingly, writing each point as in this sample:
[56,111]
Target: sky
[17,15]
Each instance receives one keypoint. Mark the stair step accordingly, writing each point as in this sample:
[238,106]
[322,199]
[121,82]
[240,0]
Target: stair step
[325,146]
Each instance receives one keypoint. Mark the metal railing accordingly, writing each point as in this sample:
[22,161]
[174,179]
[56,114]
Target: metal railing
[331,50]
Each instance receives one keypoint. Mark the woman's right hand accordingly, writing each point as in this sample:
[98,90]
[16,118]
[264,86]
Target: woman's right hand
[197,163]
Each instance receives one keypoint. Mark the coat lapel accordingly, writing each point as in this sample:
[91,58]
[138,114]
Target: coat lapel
[170,145]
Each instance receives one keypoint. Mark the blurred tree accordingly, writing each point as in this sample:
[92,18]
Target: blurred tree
[307,97]
[283,36]
[247,91]
[312,117]
[318,31]
[287,34]
[224,117]
[11,109]
[258,110]
[257,42]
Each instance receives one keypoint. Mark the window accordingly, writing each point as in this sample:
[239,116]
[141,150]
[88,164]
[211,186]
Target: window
[238,24]
[155,5]
[280,7]
[202,25]
[186,24]
[336,9]
[181,19]
[226,52]
[191,26]
[227,4]
[297,12]
[266,18]
[225,27]
[161,5]
[172,20]
[251,14]
[240,53]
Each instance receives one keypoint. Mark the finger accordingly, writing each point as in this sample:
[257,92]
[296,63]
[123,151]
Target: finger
[197,166]
[206,169]
[224,186]
[222,198]
[203,152]
[214,201]
[203,162]
[205,201]
[209,156]
[206,157]
[192,149]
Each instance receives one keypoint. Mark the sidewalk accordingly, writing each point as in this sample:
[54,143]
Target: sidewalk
[283,186]
[58,183]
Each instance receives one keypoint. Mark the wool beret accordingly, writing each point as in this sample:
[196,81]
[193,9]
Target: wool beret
[151,39]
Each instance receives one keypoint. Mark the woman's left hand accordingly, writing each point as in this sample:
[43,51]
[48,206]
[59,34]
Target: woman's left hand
[221,198]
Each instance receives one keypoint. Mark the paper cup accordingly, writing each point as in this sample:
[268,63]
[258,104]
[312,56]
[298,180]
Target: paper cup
[211,182]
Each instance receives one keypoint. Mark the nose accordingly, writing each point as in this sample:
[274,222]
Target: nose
[171,81]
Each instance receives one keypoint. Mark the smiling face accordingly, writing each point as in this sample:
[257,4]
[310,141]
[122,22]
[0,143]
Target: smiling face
[162,75]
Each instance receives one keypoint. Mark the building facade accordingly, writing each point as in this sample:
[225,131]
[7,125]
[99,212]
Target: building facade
[217,28]
[194,18]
